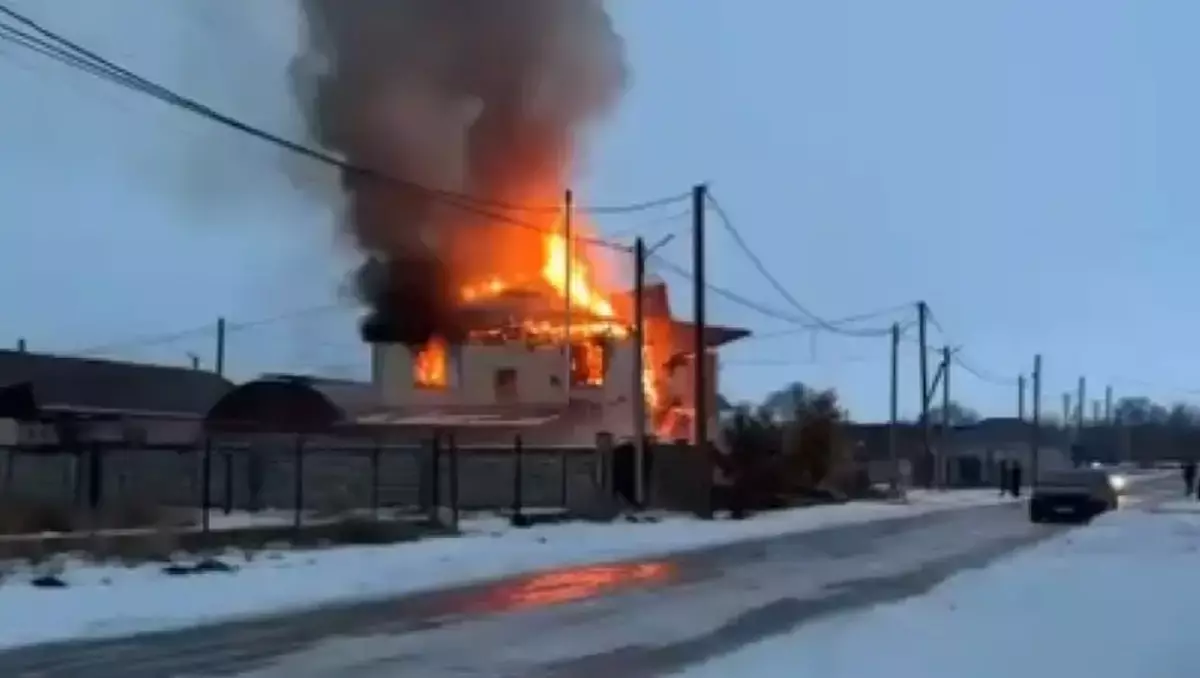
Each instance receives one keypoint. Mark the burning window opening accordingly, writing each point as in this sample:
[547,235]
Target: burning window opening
[431,365]
[588,363]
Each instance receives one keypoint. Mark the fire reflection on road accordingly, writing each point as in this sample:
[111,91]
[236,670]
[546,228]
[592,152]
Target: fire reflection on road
[569,585]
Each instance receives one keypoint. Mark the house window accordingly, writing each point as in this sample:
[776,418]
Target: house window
[588,363]
[505,385]
[431,365]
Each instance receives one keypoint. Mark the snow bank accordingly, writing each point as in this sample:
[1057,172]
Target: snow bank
[1114,599]
[114,601]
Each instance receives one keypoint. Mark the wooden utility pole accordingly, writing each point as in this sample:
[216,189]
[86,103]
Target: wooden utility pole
[219,363]
[922,321]
[1035,443]
[894,410]
[1081,402]
[569,245]
[699,377]
[639,371]
[1021,397]
[944,443]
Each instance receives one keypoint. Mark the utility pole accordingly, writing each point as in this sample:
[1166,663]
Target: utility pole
[568,234]
[1095,412]
[639,369]
[219,363]
[894,410]
[1036,441]
[1081,402]
[1066,400]
[1021,397]
[1108,405]
[944,443]
[922,321]
[21,346]
[699,378]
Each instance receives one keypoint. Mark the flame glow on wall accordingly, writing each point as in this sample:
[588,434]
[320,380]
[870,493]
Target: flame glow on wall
[431,365]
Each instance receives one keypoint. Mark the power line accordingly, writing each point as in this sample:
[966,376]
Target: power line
[147,341]
[774,282]
[734,362]
[641,228]
[75,56]
[979,373]
[52,44]
[958,358]
[802,325]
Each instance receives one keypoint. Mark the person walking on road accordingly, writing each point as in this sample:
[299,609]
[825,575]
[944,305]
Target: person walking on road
[1015,488]
[1189,476]
[1003,473]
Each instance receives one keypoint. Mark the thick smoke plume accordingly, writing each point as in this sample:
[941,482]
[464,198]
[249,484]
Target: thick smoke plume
[480,97]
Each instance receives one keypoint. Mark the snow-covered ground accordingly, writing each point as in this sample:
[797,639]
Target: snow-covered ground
[1114,599]
[112,601]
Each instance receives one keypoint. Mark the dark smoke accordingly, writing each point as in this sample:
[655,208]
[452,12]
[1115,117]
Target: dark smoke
[483,97]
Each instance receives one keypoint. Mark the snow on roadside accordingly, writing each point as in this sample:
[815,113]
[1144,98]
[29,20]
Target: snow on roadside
[1115,599]
[107,601]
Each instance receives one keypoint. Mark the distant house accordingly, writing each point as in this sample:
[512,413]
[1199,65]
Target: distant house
[168,403]
[972,453]
[86,385]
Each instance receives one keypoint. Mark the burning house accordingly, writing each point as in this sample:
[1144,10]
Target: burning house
[460,121]
[522,355]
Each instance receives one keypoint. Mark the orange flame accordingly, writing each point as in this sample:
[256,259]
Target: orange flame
[649,383]
[587,363]
[597,315]
[430,365]
[582,290]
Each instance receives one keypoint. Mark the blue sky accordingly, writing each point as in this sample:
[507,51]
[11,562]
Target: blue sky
[1023,166]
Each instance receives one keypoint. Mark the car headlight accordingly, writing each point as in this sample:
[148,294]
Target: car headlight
[1118,482]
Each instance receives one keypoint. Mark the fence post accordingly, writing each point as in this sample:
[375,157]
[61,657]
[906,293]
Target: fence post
[228,507]
[604,451]
[297,519]
[435,473]
[206,484]
[95,476]
[563,480]
[375,451]
[453,443]
[518,519]
[648,474]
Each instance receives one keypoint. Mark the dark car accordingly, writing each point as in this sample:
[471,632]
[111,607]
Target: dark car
[1076,495]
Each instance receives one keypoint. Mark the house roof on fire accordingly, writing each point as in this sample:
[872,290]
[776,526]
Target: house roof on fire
[656,303]
[91,385]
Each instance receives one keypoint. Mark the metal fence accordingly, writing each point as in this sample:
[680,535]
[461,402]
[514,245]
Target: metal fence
[311,478]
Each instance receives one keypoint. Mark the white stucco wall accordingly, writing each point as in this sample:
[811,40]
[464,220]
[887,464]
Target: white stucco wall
[541,378]
[541,375]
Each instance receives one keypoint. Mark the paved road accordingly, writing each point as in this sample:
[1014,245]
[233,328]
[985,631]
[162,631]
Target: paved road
[635,619]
